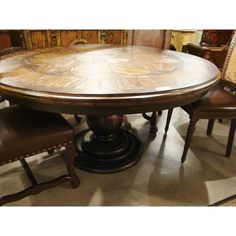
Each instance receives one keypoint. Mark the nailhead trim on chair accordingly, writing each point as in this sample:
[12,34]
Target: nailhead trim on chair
[36,152]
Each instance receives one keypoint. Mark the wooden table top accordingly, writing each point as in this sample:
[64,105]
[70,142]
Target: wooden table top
[102,73]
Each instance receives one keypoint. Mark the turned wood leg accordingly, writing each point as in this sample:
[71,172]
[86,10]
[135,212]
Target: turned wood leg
[191,128]
[231,137]
[153,123]
[70,160]
[170,111]
[210,126]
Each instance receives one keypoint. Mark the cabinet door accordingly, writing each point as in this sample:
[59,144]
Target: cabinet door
[68,36]
[91,36]
[36,39]
[5,41]
[113,36]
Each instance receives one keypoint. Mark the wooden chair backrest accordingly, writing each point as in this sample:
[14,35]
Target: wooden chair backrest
[153,38]
[216,37]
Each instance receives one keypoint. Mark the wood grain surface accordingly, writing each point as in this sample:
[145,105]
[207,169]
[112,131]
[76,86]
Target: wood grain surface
[86,78]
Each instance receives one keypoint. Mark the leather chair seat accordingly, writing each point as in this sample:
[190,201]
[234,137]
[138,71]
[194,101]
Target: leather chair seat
[217,99]
[23,132]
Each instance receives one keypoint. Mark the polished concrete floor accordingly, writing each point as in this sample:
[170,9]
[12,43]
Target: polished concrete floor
[159,179]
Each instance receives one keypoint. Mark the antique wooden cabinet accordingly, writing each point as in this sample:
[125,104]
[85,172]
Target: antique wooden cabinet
[55,38]
[32,39]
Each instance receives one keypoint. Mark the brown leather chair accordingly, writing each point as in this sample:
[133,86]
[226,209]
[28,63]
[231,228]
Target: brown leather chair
[25,132]
[218,103]
[213,46]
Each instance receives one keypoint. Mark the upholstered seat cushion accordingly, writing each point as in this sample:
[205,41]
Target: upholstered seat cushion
[217,99]
[25,132]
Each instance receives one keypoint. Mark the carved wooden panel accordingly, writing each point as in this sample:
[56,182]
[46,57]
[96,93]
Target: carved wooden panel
[90,35]
[39,39]
[59,38]
[67,36]
[113,36]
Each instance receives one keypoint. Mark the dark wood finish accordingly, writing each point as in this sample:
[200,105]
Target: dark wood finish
[219,103]
[103,81]
[5,41]
[231,137]
[34,190]
[213,46]
[153,123]
[29,173]
[106,148]
[192,124]
[153,38]
[210,126]
[168,119]
[34,39]
[36,187]
[216,37]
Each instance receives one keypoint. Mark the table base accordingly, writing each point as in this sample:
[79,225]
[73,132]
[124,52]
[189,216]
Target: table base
[111,156]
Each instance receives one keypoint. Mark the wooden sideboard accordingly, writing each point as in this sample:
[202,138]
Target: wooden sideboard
[32,39]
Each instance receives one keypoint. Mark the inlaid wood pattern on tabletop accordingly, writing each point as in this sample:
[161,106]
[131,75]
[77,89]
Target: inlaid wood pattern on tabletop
[117,79]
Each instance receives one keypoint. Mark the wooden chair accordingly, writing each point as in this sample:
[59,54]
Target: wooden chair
[213,46]
[219,103]
[24,133]
[153,38]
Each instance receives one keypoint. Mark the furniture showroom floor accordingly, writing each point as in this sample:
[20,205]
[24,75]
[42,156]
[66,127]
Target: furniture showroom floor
[159,179]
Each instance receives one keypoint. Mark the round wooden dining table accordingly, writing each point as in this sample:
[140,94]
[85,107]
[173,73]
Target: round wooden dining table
[104,83]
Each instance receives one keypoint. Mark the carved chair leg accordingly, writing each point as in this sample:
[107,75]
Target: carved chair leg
[70,159]
[153,123]
[191,128]
[210,126]
[231,137]
[170,111]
